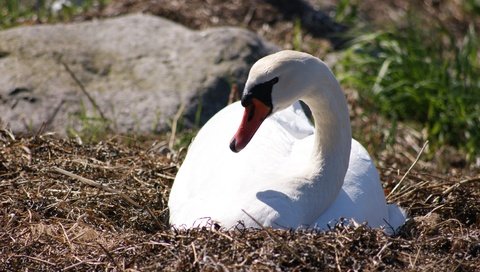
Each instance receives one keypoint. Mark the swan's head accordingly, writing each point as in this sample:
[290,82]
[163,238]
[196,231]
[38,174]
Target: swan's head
[274,83]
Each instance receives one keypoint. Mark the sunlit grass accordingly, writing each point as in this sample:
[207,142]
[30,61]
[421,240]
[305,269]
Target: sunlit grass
[420,73]
[90,126]
[16,12]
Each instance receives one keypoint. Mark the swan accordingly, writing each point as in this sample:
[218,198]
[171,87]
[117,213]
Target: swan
[278,170]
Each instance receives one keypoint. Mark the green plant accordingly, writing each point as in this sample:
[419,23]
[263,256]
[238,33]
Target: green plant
[297,35]
[15,12]
[183,136]
[347,12]
[422,74]
[472,6]
[91,126]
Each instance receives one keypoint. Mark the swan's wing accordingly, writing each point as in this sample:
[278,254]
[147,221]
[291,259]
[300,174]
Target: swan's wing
[397,217]
[218,183]
[361,197]
[294,120]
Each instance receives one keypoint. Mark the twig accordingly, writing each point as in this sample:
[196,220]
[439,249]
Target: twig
[98,185]
[337,261]
[460,183]
[9,133]
[40,129]
[49,122]
[109,255]
[73,265]
[165,176]
[174,125]
[415,260]
[111,190]
[409,169]
[410,190]
[35,259]
[79,83]
[275,238]
[434,209]
[155,218]
[195,257]
[452,220]
[233,96]
[249,16]
[379,254]
[66,237]
[223,234]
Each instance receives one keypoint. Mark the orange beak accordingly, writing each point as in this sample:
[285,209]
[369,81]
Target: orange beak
[253,117]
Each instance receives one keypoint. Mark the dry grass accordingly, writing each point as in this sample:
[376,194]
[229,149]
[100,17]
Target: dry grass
[72,206]
[53,221]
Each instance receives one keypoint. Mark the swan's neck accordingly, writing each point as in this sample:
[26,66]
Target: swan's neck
[333,134]
[333,137]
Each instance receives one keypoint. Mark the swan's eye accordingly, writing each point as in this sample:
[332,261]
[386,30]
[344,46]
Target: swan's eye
[247,99]
[261,91]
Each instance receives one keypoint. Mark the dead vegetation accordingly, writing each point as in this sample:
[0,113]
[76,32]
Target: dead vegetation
[53,220]
[67,205]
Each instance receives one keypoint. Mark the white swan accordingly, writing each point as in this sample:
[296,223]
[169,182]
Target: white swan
[290,174]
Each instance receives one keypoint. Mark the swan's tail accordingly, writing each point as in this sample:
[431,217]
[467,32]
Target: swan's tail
[397,217]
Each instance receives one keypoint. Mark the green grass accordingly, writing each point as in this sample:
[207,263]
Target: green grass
[472,6]
[297,35]
[422,73]
[347,12]
[90,128]
[16,12]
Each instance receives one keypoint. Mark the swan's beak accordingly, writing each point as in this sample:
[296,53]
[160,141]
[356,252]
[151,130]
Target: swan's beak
[253,117]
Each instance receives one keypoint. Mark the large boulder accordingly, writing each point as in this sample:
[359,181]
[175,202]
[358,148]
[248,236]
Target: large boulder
[137,69]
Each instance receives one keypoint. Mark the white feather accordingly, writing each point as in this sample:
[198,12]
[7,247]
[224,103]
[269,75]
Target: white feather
[291,174]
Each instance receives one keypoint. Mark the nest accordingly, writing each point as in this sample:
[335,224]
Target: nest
[73,206]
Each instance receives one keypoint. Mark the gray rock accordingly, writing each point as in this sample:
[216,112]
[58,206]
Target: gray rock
[138,68]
